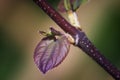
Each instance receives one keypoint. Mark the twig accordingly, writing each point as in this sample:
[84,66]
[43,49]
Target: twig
[81,39]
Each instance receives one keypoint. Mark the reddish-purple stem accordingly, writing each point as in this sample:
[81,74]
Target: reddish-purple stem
[81,39]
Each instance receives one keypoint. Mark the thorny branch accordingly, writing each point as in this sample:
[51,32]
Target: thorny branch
[80,38]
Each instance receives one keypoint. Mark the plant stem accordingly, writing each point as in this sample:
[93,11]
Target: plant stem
[81,39]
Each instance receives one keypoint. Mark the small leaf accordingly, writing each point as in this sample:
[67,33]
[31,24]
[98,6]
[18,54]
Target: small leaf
[66,5]
[77,4]
[50,53]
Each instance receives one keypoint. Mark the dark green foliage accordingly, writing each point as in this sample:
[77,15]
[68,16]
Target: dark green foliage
[10,55]
[109,36]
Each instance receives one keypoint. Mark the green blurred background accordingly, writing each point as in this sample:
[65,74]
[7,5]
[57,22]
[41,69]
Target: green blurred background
[20,22]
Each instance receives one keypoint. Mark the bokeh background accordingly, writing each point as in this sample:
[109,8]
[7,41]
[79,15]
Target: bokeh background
[20,21]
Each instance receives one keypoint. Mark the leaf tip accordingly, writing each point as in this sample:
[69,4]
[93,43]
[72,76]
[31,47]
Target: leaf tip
[43,71]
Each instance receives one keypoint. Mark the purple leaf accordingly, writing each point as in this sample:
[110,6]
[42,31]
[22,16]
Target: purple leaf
[49,52]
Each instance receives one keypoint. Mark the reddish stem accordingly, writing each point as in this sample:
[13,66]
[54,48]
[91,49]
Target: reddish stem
[81,39]
[56,17]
